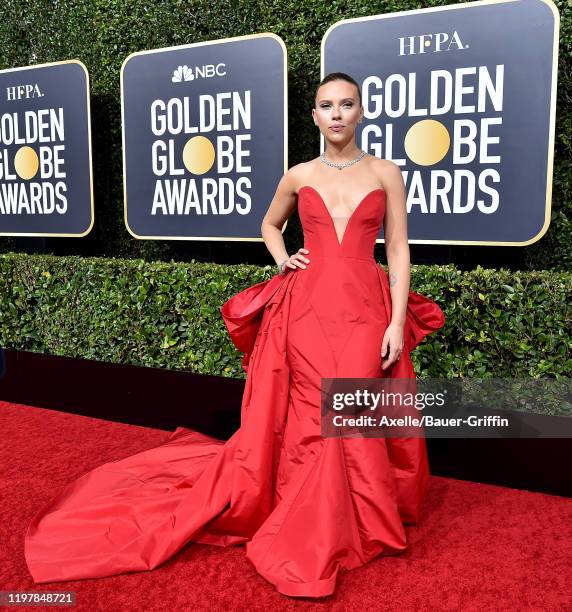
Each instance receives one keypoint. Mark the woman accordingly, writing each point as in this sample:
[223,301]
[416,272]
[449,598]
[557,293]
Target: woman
[304,505]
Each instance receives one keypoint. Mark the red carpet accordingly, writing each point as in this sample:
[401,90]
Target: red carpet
[478,547]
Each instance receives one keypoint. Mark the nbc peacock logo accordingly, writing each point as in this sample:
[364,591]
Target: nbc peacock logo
[182,73]
[206,71]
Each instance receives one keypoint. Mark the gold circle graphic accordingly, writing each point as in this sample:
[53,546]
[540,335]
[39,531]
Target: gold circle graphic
[198,155]
[427,142]
[26,162]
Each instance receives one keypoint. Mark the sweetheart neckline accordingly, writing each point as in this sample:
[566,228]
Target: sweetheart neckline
[340,242]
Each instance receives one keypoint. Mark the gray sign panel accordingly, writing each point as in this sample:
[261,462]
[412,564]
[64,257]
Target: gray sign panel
[46,186]
[204,137]
[462,98]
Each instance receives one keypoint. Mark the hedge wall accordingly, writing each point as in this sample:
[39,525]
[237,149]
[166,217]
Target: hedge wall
[167,315]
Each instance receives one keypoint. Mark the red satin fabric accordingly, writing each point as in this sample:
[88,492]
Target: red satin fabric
[304,506]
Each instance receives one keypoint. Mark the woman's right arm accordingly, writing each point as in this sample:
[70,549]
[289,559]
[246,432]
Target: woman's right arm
[280,209]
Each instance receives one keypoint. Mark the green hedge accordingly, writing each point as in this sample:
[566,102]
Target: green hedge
[102,33]
[167,315]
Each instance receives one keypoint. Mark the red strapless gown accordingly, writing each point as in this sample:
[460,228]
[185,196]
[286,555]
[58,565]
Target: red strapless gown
[304,506]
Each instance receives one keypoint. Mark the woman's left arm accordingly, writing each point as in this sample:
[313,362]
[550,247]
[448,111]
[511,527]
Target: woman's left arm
[397,252]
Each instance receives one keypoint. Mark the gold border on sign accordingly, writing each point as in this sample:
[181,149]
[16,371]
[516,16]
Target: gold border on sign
[285,106]
[552,113]
[88,107]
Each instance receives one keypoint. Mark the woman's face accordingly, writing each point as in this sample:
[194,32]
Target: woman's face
[337,111]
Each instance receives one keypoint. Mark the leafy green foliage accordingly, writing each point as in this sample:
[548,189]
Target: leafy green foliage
[102,33]
[167,315]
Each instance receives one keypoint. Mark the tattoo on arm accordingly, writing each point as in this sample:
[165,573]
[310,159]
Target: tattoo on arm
[392,279]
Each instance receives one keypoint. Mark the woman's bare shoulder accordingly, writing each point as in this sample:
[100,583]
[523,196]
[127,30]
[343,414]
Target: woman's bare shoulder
[298,175]
[387,172]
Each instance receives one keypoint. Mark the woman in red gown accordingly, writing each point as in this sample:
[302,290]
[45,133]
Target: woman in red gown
[305,506]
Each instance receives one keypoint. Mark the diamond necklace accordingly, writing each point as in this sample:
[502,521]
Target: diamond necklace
[343,164]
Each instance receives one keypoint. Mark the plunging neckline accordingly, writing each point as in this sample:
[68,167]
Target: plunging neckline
[333,225]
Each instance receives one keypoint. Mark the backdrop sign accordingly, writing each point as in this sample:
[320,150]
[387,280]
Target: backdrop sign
[204,137]
[462,98]
[46,185]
